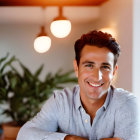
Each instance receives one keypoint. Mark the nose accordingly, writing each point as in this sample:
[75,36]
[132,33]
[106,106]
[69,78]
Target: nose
[97,75]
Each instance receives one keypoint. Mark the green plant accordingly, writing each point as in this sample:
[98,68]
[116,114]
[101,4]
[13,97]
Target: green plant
[25,93]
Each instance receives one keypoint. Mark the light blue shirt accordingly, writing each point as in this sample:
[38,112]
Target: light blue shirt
[64,114]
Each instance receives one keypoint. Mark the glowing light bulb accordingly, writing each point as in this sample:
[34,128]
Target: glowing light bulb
[60,28]
[42,44]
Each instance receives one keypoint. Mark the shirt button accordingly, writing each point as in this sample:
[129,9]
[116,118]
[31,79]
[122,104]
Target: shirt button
[86,120]
[82,110]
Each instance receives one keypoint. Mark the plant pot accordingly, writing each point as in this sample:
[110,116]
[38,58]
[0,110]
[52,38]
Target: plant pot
[10,130]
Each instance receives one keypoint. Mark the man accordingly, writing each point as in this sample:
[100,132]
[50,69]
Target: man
[94,110]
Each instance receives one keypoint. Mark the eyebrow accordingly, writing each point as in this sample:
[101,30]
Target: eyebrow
[89,62]
[106,64]
[93,63]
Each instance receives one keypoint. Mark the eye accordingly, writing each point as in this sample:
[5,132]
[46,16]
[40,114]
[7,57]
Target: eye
[106,67]
[89,65]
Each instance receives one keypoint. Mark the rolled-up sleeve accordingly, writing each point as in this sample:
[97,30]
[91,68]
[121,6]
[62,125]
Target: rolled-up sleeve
[44,125]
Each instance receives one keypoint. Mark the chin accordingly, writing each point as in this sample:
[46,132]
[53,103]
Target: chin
[95,95]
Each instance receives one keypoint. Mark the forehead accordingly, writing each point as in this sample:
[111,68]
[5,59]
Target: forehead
[95,53]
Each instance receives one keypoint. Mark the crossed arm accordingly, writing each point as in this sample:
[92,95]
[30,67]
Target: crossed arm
[36,129]
[71,137]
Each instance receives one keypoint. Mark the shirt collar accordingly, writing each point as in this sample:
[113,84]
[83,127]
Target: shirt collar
[108,97]
[78,103]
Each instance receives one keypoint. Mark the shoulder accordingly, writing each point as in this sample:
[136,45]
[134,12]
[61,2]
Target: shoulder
[61,100]
[124,99]
[65,97]
[126,114]
[66,93]
[122,95]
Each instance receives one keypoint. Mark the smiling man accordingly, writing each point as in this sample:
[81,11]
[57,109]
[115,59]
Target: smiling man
[94,110]
[95,72]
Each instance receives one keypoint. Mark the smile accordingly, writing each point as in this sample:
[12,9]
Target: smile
[95,85]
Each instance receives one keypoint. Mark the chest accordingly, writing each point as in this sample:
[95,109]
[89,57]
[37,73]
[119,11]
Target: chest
[79,123]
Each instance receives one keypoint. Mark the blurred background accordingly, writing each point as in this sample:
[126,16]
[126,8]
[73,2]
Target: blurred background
[20,25]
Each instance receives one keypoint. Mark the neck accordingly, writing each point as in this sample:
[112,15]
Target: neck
[91,105]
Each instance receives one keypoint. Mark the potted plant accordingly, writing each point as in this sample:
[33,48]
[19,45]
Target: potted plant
[25,92]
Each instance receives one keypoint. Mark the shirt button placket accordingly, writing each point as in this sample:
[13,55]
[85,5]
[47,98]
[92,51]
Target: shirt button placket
[86,120]
[82,109]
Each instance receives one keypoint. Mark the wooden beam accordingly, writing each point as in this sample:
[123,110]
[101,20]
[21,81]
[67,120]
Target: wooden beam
[51,2]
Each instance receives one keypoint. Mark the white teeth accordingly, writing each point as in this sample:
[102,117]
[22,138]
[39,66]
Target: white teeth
[95,85]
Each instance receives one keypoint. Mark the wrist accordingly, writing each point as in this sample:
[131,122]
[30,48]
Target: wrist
[72,137]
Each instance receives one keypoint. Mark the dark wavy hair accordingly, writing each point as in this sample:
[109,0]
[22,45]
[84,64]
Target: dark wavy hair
[99,39]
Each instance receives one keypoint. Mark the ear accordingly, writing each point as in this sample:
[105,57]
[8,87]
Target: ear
[75,67]
[113,81]
[115,69]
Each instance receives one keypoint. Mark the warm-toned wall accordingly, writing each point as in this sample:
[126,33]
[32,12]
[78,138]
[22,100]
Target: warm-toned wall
[18,40]
[136,48]
[118,15]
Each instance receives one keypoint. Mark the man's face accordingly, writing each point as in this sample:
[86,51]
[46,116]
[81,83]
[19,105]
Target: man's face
[95,71]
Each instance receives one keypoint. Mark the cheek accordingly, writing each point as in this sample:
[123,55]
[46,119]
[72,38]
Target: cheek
[108,76]
[83,74]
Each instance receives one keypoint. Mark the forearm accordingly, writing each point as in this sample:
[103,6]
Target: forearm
[111,139]
[72,137]
[28,132]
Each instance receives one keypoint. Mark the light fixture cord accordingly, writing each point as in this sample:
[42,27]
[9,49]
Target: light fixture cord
[60,11]
[43,16]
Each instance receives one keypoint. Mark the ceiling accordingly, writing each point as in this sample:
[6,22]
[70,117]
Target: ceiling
[31,11]
[51,2]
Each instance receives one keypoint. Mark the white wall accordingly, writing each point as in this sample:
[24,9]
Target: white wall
[136,48]
[118,15]
[18,41]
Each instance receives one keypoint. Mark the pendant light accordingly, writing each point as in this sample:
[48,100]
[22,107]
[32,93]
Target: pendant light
[42,43]
[60,26]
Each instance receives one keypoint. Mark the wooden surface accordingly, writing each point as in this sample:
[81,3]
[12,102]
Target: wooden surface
[2,138]
[6,139]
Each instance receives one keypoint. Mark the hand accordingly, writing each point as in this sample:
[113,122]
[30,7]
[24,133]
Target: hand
[71,137]
[111,139]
